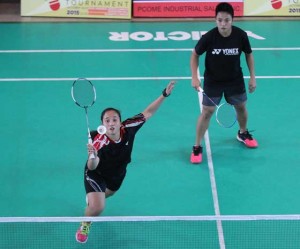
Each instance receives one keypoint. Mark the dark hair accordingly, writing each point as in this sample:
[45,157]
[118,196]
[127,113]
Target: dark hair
[110,109]
[225,7]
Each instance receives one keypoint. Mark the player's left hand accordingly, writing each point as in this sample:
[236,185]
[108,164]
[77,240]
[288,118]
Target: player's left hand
[170,87]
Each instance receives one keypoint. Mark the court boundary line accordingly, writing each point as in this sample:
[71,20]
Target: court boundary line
[130,50]
[213,183]
[137,78]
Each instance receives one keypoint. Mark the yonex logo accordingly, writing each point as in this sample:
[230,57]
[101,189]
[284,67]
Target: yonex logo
[231,51]
[227,51]
[216,51]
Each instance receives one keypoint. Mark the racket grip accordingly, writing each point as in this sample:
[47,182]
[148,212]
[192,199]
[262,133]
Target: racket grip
[91,156]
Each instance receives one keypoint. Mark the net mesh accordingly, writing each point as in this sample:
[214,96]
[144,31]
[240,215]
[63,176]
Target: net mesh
[83,93]
[242,232]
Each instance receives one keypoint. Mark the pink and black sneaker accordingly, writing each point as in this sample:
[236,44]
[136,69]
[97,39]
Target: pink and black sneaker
[196,156]
[247,139]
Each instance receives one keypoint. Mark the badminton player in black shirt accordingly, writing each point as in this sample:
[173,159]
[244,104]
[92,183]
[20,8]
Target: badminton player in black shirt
[104,174]
[223,75]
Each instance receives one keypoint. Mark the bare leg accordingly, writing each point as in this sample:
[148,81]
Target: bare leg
[203,123]
[242,116]
[95,206]
[96,202]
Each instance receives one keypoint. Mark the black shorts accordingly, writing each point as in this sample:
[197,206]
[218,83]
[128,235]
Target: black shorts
[95,182]
[234,93]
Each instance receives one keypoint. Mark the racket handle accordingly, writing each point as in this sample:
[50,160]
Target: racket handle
[91,156]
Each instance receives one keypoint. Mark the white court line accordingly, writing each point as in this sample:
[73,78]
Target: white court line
[213,183]
[97,79]
[125,50]
[135,78]
[95,50]
[212,178]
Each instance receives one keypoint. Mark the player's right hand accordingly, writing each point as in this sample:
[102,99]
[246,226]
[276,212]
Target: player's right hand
[196,84]
[91,150]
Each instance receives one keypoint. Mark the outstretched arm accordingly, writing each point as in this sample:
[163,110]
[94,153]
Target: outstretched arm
[152,108]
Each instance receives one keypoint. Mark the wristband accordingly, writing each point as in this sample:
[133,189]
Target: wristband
[164,93]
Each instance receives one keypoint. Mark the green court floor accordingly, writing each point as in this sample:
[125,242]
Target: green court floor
[43,133]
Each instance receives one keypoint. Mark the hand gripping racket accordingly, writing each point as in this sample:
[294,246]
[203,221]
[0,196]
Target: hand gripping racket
[225,114]
[84,95]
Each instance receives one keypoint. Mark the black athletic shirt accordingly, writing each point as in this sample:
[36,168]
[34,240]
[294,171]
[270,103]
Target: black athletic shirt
[114,157]
[222,60]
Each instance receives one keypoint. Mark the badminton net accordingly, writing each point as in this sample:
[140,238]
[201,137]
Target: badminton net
[153,232]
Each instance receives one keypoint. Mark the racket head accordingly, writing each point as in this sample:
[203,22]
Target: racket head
[226,115]
[83,92]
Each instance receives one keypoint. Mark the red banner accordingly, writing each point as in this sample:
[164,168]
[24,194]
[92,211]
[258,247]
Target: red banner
[181,8]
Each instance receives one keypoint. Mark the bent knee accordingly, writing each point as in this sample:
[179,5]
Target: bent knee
[96,209]
[207,111]
[240,107]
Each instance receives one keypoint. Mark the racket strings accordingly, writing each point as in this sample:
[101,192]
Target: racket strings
[226,115]
[83,93]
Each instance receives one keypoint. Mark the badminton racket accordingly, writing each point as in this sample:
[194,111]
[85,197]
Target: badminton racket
[225,114]
[84,95]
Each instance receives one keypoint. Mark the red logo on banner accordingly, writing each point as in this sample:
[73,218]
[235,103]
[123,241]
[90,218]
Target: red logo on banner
[54,5]
[276,4]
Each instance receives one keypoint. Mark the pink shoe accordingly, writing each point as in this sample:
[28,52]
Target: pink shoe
[196,156]
[247,139]
[83,232]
